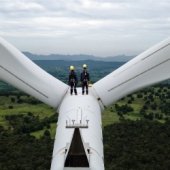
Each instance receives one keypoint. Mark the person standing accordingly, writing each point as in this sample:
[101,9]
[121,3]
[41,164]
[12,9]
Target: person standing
[85,78]
[73,80]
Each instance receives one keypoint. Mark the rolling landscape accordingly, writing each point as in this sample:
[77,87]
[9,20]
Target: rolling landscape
[136,129]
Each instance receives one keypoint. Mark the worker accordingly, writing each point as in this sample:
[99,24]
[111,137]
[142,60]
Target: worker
[85,78]
[73,80]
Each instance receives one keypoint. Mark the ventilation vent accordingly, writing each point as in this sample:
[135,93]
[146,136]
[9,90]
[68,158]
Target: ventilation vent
[76,156]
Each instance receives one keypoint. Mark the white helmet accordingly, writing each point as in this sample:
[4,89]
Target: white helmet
[84,66]
[71,67]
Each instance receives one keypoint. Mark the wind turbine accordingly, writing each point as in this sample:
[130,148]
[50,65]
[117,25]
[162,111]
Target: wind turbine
[78,143]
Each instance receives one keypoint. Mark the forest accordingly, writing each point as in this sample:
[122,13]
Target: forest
[136,130]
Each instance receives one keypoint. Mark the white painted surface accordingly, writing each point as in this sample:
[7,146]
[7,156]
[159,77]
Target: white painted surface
[79,108]
[18,70]
[148,68]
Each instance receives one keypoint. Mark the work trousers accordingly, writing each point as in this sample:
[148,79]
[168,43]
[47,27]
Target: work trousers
[73,86]
[85,87]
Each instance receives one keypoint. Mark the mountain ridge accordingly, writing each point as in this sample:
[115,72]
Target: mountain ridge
[78,57]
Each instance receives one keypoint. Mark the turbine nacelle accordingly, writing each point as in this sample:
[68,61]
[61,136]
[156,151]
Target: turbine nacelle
[80,113]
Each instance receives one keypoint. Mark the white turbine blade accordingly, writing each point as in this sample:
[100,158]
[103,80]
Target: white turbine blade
[148,68]
[19,71]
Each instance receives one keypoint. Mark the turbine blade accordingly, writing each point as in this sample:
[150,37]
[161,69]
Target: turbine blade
[19,71]
[150,67]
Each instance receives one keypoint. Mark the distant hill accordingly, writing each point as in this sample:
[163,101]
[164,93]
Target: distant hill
[60,68]
[80,57]
[53,65]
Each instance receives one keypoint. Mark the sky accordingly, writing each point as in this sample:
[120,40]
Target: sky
[95,27]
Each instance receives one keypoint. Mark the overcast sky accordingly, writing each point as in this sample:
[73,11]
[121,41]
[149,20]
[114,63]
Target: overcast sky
[97,27]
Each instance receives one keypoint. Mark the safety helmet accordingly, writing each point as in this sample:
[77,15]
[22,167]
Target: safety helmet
[71,67]
[84,66]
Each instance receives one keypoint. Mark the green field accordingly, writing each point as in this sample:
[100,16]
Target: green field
[23,104]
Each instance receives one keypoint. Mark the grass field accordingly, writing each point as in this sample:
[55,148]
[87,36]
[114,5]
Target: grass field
[40,133]
[109,116]
[42,111]
[9,105]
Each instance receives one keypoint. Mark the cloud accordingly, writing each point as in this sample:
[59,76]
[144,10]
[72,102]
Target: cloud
[86,23]
[17,6]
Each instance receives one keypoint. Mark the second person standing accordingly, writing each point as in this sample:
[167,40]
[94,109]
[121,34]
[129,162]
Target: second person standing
[85,78]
